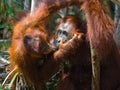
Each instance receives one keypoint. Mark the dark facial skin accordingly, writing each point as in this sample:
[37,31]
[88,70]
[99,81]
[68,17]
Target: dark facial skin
[64,33]
[35,42]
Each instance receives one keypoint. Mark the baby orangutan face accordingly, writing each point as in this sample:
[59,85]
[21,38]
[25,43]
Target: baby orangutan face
[63,34]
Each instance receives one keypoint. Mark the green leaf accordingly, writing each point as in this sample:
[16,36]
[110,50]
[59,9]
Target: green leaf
[1,87]
[8,8]
[2,26]
[18,3]
[13,79]
[9,27]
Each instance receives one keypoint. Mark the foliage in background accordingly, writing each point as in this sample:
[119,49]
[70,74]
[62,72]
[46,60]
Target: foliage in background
[8,9]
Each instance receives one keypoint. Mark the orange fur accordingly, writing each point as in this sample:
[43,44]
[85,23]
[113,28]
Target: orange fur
[30,63]
[78,76]
[100,33]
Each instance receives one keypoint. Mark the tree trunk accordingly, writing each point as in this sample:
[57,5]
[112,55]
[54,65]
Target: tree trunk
[117,25]
[34,4]
[27,4]
[95,69]
[116,1]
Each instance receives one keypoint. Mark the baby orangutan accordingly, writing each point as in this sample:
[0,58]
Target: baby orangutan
[78,76]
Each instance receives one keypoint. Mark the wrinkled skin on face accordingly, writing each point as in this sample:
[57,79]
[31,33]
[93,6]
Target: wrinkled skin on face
[63,34]
[35,41]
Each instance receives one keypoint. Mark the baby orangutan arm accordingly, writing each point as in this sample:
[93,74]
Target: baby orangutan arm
[66,49]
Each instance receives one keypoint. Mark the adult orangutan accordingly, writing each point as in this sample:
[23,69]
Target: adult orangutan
[100,33]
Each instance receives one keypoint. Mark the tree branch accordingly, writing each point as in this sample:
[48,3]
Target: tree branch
[116,2]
